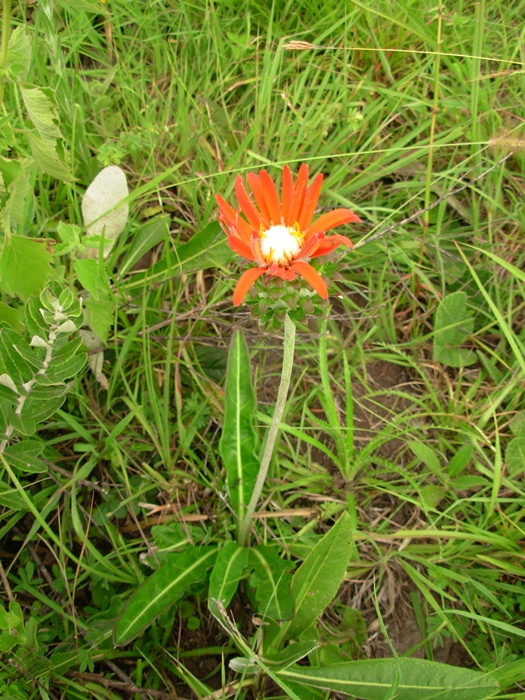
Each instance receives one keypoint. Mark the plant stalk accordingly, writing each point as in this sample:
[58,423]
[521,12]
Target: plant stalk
[282,394]
[4,46]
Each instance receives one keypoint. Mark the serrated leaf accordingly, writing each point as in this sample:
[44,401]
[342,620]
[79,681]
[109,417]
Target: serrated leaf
[238,439]
[47,158]
[402,678]
[41,110]
[19,53]
[453,324]
[25,266]
[24,456]
[271,582]
[315,583]
[165,586]
[228,570]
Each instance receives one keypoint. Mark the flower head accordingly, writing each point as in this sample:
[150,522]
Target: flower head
[278,233]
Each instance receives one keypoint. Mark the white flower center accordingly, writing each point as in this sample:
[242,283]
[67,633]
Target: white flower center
[280,244]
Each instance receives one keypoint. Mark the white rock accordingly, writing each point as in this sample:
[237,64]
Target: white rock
[100,211]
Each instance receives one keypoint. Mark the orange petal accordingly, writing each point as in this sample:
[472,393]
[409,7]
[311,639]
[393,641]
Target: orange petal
[240,248]
[299,193]
[255,186]
[287,195]
[310,247]
[312,277]
[330,244]
[331,220]
[231,221]
[310,202]
[245,282]
[227,211]
[246,205]
[271,197]
[285,273]
[297,203]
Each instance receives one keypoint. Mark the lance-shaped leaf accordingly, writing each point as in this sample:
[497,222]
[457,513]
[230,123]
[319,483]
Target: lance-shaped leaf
[315,583]
[163,588]
[229,569]
[207,248]
[271,582]
[239,439]
[404,679]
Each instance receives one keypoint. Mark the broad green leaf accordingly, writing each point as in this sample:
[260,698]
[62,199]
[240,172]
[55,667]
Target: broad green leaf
[35,322]
[70,237]
[315,583]
[453,325]
[165,586]
[208,248]
[460,460]
[11,317]
[66,369]
[25,266]
[38,410]
[100,316]
[42,112]
[427,455]
[239,440]
[24,456]
[19,53]
[515,456]
[404,679]
[93,277]
[149,235]
[18,190]
[47,158]
[271,582]
[16,366]
[228,570]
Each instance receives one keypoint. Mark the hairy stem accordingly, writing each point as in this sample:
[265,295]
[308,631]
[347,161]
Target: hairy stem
[286,373]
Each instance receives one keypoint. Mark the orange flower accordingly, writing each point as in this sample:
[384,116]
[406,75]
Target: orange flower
[278,234]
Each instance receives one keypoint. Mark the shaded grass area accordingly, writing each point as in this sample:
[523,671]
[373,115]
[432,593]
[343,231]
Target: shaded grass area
[396,104]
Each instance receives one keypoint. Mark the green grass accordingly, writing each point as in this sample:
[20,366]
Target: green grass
[397,104]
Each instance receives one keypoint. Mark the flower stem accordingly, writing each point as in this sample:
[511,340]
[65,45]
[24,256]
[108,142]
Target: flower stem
[286,373]
[4,46]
